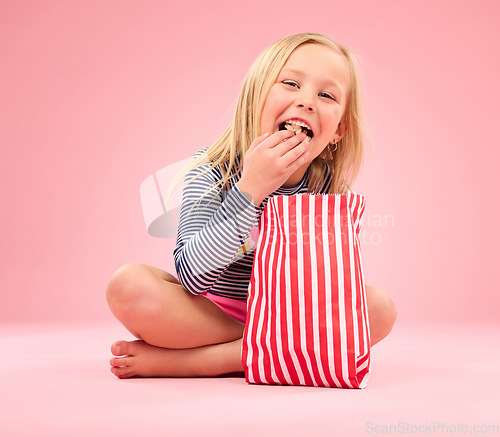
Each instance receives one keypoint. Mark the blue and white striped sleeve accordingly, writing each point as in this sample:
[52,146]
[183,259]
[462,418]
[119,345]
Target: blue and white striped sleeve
[211,230]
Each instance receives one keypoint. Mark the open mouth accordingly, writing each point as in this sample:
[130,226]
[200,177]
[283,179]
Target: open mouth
[297,127]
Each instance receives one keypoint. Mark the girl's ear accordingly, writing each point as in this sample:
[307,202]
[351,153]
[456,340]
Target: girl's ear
[341,131]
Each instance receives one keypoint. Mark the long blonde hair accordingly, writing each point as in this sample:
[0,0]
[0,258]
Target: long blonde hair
[344,163]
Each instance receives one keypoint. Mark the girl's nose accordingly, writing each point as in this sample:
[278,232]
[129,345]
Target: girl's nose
[305,101]
[307,106]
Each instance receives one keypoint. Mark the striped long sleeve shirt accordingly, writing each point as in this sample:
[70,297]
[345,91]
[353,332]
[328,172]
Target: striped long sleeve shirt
[214,252]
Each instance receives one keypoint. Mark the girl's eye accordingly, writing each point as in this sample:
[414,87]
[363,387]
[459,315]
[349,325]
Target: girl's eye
[296,85]
[328,95]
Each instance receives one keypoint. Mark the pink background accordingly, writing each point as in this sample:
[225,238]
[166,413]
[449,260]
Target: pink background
[96,96]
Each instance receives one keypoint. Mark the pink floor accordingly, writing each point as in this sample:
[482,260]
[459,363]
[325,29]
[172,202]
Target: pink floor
[437,380]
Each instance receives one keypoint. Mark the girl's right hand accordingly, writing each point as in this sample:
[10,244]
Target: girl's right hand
[270,161]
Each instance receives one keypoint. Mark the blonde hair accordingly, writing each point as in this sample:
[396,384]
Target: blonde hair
[344,163]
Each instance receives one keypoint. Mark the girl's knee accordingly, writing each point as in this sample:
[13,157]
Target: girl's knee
[129,285]
[382,308]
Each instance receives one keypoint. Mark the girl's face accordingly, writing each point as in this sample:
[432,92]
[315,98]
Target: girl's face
[312,88]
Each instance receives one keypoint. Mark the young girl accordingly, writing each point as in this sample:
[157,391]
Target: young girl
[193,326]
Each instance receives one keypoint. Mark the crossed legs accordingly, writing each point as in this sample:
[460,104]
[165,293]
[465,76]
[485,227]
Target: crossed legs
[182,335]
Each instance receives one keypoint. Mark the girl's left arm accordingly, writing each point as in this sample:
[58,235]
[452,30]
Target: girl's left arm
[212,230]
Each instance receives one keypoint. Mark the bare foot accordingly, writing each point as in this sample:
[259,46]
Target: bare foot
[140,359]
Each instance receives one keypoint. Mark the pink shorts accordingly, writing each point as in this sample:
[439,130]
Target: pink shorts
[237,309]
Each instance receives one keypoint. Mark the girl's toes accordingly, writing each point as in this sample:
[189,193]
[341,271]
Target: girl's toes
[122,372]
[120,348]
[120,362]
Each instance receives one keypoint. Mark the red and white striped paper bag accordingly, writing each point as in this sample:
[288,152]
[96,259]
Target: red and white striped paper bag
[307,321]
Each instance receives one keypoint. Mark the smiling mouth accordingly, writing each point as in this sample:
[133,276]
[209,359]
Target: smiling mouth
[297,129]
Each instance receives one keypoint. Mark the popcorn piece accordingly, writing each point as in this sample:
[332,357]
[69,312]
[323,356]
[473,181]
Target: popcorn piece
[297,129]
